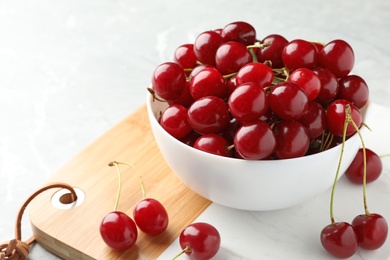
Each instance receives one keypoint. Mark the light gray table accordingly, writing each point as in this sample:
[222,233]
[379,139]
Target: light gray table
[70,70]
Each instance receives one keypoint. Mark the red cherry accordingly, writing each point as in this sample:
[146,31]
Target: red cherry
[329,86]
[292,140]
[208,82]
[255,72]
[336,117]
[339,239]
[308,81]
[239,31]
[214,144]
[288,101]
[354,89]
[200,241]
[231,56]
[273,51]
[206,45]
[169,80]
[185,98]
[118,231]
[150,216]
[371,230]
[255,141]
[300,54]
[354,173]
[314,119]
[208,115]
[338,57]
[174,120]
[184,55]
[248,102]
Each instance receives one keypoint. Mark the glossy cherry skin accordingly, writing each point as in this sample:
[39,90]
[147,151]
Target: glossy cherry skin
[202,239]
[118,231]
[354,172]
[248,102]
[255,72]
[208,82]
[214,144]
[150,216]
[308,81]
[335,117]
[174,120]
[292,140]
[185,99]
[206,45]
[329,86]
[239,31]
[314,119]
[300,54]
[273,52]
[339,239]
[255,140]
[168,80]
[208,115]
[338,57]
[231,56]
[184,55]
[354,89]
[371,230]
[288,101]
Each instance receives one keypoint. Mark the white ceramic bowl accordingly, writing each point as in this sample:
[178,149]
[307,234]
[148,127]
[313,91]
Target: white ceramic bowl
[250,185]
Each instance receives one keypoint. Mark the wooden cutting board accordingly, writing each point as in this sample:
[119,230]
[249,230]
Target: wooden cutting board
[74,233]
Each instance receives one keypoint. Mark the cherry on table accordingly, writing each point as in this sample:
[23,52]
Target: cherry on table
[355,170]
[371,230]
[339,239]
[200,241]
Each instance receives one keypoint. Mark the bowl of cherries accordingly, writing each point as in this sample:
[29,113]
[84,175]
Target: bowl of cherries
[257,124]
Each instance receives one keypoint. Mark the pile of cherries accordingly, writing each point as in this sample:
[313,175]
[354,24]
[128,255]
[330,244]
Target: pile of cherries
[233,95]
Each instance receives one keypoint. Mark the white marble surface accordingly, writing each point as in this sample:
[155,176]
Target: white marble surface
[70,70]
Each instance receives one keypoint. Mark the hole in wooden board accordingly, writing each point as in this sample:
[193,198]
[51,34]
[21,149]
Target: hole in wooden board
[62,199]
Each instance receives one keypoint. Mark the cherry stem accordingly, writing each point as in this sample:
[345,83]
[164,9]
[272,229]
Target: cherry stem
[364,168]
[346,121]
[185,250]
[119,183]
[228,76]
[140,177]
[151,91]
[384,155]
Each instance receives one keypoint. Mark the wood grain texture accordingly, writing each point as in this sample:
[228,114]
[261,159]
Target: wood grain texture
[74,233]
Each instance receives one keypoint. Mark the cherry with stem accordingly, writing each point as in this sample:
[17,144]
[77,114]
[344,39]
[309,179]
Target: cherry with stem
[371,228]
[117,229]
[339,238]
[149,214]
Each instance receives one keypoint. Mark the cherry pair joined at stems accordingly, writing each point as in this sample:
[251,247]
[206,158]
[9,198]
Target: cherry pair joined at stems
[119,231]
[368,230]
